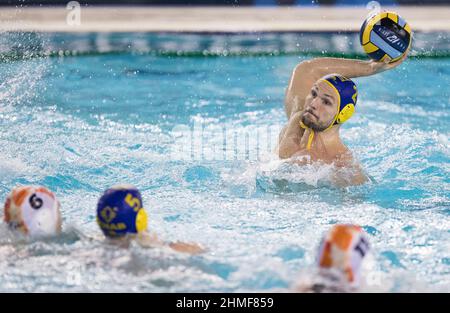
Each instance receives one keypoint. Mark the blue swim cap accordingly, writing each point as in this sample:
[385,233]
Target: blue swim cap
[347,96]
[120,212]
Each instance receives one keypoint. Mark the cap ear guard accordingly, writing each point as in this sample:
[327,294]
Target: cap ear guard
[345,113]
[141,220]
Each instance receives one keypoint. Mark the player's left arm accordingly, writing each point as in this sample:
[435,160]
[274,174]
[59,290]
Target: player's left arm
[186,247]
[151,240]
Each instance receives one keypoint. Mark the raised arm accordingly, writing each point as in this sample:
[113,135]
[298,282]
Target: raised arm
[308,72]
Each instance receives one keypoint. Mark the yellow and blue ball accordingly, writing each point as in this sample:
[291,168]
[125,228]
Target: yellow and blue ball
[385,36]
[120,211]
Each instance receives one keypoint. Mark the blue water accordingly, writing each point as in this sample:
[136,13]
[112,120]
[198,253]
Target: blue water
[81,124]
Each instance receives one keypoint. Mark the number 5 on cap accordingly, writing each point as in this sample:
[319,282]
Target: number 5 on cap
[133,202]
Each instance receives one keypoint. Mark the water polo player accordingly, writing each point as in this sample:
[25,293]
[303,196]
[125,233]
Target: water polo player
[339,261]
[121,217]
[320,97]
[33,211]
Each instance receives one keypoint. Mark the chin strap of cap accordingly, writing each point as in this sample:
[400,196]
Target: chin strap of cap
[311,135]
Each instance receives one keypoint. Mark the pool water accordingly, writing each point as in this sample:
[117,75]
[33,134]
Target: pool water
[80,124]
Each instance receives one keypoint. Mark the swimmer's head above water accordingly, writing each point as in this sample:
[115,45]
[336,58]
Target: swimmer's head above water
[122,218]
[339,261]
[341,253]
[120,212]
[332,101]
[33,211]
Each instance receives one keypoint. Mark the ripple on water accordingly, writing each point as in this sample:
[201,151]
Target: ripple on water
[261,221]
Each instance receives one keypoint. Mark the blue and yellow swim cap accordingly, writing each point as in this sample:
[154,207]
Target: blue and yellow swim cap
[347,94]
[120,211]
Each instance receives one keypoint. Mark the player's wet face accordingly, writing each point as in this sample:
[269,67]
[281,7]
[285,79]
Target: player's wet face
[320,107]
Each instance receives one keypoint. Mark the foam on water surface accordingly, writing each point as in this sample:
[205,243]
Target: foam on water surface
[80,125]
